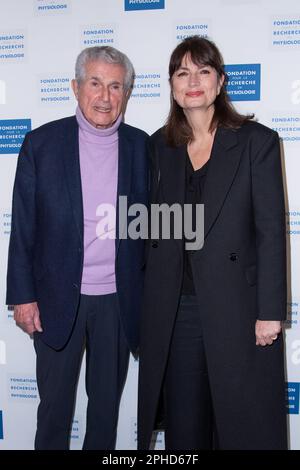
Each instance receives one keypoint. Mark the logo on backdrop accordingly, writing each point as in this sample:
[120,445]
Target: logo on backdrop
[76,431]
[287,126]
[144,5]
[12,133]
[293,222]
[12,46]
[10,313]
[22,388]
[243,82]
[98,35]
[292,398]
[52,6]
[55,90]
[285,32]
[147,87]
[2,352]
[6,224]
[201,28]
[2,92]
[1,425]
[293,311]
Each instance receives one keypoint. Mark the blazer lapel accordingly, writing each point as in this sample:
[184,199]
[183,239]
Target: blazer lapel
[70,155]
[124,179]
[173,174]
[172,167]
[224,163]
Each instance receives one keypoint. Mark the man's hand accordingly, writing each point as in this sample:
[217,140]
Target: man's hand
[27,317]
[266,331]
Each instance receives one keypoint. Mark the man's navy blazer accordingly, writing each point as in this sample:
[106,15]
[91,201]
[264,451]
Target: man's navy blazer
[45,260]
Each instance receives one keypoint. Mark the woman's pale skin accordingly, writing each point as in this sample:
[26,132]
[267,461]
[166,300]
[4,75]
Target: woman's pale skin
[195,88]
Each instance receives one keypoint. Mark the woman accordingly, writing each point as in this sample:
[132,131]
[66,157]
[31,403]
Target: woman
[211,342]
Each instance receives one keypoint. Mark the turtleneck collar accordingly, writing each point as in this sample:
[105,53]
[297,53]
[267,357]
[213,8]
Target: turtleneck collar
[92,133]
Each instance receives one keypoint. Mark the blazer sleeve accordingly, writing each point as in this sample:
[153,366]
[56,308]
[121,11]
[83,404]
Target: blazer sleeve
[269,218]
[20,280]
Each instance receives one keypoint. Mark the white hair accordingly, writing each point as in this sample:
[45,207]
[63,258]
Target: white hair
[105,54]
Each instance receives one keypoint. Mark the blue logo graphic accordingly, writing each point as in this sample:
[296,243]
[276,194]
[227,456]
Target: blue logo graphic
[55,90]
[99,35]
[292,312]
[1,425]
[288,127]
[10,312]
[184,30]
[12,46]
[285,32]
[293,222]
[292,398]
[6,225]
[147,85]
[46,6]
[75,430]
[23,388]
[144,5]
[12,133]
[243,82]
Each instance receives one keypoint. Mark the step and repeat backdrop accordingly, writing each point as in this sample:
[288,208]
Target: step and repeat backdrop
[39,43]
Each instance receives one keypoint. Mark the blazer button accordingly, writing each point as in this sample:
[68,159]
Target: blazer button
[75,286]
[233,257]
[154,244]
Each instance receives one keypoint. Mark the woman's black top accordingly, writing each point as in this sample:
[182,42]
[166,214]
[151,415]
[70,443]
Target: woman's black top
[195,180]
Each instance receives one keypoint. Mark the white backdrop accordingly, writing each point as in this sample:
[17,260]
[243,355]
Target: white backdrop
[39,42]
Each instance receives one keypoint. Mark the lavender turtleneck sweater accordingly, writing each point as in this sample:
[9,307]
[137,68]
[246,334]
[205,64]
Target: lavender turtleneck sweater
[98,154]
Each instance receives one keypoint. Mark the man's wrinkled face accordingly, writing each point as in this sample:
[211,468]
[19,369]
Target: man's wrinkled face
[101,95]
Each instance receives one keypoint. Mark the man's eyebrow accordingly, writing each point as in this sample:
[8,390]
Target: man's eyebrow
[114,82]
[94,78]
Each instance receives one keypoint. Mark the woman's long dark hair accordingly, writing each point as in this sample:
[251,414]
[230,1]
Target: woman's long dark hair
[202,52]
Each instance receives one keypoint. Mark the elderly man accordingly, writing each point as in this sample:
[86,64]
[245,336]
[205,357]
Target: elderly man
[72,285]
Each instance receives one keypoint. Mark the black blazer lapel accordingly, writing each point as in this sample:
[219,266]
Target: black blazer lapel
[124,179]
[224,163]
[172,167]
[173,174]
[70,154]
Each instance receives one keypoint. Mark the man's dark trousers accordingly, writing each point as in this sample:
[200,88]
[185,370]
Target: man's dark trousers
[98,328]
